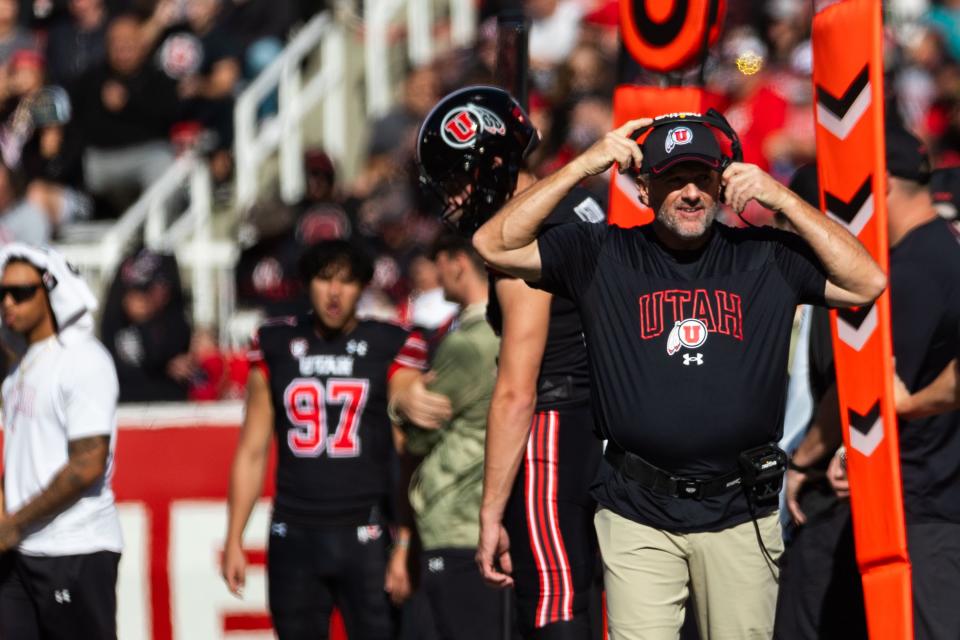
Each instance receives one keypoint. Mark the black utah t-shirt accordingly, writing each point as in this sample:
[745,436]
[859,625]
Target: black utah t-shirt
[688,352]
[925,307]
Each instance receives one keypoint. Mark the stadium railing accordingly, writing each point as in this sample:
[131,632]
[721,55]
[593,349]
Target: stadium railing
[315,70]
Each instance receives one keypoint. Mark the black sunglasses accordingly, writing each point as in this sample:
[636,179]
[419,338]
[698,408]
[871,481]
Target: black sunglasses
[19,292]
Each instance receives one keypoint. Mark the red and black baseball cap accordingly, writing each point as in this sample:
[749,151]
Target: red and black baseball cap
[671,144]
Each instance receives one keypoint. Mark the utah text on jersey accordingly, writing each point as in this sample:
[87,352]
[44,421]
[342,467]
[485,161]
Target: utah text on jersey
[718,311]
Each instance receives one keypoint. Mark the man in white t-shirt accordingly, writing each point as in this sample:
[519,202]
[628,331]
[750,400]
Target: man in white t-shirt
[60,538]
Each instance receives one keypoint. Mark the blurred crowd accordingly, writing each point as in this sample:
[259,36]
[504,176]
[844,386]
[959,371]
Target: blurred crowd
[97,97]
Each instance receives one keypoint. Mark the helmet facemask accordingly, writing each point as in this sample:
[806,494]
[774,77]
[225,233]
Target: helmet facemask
[471,195]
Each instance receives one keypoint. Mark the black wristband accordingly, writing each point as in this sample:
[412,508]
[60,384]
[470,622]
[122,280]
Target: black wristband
[793,466]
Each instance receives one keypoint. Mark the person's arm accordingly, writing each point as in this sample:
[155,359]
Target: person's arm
[508,241]
[526,318]
[411,400]
[221,81]
[246,476]
[164,15]
[823,437]
[853,277]
[86,464]
[396,581]
[940,396]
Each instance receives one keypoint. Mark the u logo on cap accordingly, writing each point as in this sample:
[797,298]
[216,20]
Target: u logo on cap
[678,136]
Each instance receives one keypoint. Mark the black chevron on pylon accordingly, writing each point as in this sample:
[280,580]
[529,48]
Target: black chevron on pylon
[847,211]
[863,423]
[854,316]
[840,106]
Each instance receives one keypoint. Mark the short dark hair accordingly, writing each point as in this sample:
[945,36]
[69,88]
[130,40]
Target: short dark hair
[454,245]
[320,258]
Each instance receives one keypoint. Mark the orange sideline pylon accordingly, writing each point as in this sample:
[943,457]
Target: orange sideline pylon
[848,81]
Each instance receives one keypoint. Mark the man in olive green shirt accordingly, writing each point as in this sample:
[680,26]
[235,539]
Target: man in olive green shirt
[446,487]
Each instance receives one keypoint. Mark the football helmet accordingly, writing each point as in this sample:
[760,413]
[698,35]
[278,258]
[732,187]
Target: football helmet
[470,151]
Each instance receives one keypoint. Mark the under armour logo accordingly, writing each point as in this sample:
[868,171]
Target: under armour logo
[688,359]
[357,347]
[435,565]
[279,529]
[62,596]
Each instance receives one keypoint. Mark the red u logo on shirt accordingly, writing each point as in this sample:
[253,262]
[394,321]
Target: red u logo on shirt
[718,311]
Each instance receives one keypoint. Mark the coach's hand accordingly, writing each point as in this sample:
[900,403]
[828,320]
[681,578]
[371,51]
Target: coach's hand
[745,182]
[615,146]
[494,548]
[234,569]
[837,474]
[795,480]
[10,534]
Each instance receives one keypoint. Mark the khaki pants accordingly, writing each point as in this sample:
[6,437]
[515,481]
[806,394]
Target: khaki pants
[648,575]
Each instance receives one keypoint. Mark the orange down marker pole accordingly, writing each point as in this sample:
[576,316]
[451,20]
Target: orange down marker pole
[848,81]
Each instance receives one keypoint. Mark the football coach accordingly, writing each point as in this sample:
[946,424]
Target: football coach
[687,323]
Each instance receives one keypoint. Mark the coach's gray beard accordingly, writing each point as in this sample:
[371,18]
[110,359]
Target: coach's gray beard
[668,218]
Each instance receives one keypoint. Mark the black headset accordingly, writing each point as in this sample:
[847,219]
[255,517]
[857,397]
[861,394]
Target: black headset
[712,118]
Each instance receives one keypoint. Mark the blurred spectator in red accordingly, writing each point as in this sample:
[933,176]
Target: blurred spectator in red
[124,109]
[13,37]
[794,144]
[204,366]
[20,220]
[756,109]
[319,214]
[144,326]
[203,58]
[78,44]
[321,176]
[33,138]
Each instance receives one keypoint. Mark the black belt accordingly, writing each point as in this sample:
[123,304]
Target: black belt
[635,468]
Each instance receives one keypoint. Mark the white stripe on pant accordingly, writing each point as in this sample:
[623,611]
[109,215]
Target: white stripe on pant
[541,502]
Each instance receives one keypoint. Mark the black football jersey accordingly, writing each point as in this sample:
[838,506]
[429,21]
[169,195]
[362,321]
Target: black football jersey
[564,378]
[334,444]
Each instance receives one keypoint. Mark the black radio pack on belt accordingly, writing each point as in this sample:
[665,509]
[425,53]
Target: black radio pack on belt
[760,474]
[762,470]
